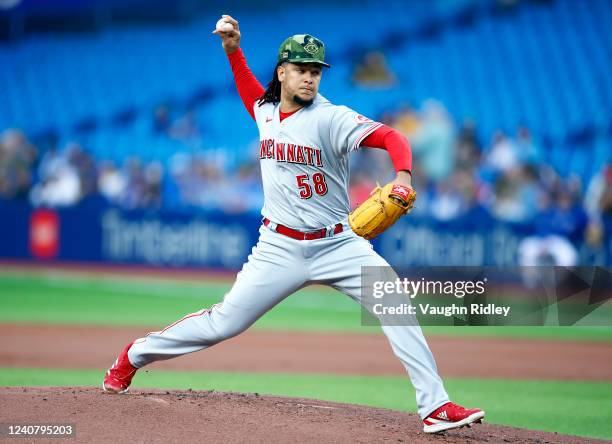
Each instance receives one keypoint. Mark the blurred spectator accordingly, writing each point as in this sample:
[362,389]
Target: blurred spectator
[465,182]
[598,204]
[503,155]
[605,204]
[455,197]
[143,186]
[468,146]
[66,177]
[152,186]
[111,182]
[598,197]
[134,191]
[446,204]
[516,194]
[559,226]
[605,201]
[546,248]
[568,218]
[528,151]
[51,160]
[433,143]
[85,167]
[373,71]
[17,157]
[59,189]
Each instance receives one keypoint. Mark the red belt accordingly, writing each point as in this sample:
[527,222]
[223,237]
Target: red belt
[308,235]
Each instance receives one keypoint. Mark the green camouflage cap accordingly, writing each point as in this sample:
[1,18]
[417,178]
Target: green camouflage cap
[302,48]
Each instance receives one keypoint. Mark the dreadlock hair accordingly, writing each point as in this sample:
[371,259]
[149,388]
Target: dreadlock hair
[273,89]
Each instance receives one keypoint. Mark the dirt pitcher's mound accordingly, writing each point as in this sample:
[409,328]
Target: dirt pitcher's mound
[196,417]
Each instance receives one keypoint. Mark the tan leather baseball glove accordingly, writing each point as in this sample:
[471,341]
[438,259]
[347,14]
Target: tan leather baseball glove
[381,210]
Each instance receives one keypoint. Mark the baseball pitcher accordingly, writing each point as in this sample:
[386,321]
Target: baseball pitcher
[307,234]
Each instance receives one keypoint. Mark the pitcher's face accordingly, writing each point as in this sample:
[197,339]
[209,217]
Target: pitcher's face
[300,81]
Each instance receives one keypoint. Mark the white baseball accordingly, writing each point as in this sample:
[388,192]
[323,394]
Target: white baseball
[223,26]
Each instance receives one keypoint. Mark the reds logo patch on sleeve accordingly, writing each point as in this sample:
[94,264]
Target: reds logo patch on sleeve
[362,119]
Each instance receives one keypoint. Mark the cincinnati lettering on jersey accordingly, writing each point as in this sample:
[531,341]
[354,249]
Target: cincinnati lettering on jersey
[290,152]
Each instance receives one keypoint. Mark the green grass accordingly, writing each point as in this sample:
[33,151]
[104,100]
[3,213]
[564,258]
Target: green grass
[104,300]
[568,407]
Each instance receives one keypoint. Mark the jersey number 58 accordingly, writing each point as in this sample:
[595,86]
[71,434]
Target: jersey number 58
[318,183]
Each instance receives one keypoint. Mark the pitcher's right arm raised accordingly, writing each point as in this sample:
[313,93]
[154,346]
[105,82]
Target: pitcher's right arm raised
[247,84]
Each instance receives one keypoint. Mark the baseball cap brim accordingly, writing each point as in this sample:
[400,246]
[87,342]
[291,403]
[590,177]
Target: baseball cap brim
[314,61]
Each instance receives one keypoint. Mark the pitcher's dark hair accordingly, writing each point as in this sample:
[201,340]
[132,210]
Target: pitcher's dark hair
[273,90]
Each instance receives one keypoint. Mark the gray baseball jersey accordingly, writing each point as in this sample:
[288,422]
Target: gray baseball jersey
[304,162]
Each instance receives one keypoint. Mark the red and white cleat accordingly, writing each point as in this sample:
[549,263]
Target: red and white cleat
[119,377]
[451,416]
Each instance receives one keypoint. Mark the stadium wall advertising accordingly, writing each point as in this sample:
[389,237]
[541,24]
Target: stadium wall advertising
[96,232]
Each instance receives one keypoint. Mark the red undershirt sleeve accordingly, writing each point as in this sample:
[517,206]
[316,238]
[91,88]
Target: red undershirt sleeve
[396,145]
[247,84]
